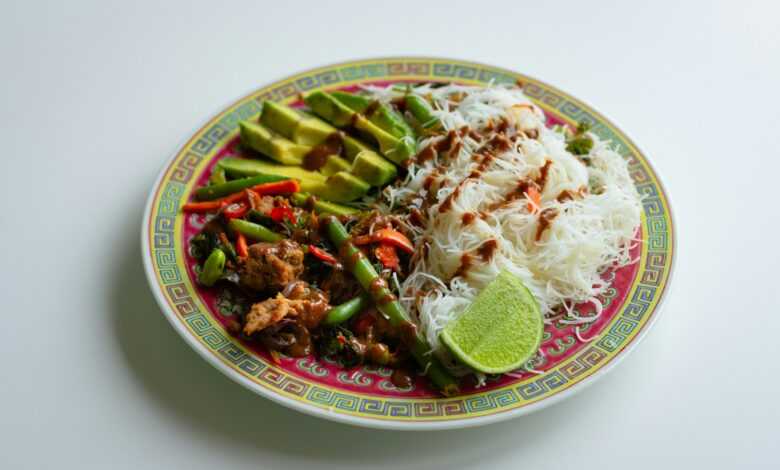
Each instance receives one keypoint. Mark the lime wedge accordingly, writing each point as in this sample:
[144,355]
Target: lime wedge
[500,330]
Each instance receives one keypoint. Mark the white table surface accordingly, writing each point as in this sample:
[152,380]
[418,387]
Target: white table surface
[94,98]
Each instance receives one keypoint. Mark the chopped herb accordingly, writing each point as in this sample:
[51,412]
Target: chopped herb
[583,127]
[580,143]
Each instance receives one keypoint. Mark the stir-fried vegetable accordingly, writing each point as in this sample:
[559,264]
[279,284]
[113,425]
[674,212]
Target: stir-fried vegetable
[388,236]
[386,255]
[345,311]
[323,255]
[270,189]
[254,231]
[241,246]
[580,143]
[224,188]
[389,306]
[212,268]
[421,111]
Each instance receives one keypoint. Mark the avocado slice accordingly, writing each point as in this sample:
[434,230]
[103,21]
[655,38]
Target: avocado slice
[301,128]
[312,131]
[241,167]
[329,108]
[276,147]
[338,114]
[281,119]
[342,187]
[384,116]
[334,164]
[422,111]
[373,168]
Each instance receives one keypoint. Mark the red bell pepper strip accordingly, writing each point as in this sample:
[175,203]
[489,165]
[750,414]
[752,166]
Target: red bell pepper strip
[386,255]
[323,255]
[235,210]
[241,247]
[265,189]
[534,199]
[279,214]
[388,236]
[277,187]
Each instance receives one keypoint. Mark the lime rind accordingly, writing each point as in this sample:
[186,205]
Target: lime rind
[500,331]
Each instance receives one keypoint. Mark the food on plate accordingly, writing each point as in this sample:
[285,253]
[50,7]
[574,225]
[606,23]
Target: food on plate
[429,228]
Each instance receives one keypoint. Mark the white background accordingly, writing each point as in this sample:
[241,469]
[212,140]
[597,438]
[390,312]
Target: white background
[95,97]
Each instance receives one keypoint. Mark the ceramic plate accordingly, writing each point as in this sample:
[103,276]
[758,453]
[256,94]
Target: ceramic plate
[365,395]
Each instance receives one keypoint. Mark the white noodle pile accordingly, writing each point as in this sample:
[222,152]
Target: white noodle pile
[590,233]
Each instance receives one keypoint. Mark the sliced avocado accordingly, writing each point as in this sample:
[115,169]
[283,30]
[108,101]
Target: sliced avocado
[342,187]
[242,167]
[402,152]
[308,131]
[422,111]
[338,114]
[312,131]
[262,139]
[384,116]
[329,108]
[280,118]
[352,147]
[387,142]
[321,206]
[334,164]
[373,168]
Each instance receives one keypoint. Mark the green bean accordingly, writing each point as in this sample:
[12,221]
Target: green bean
[421,111]
[345,311]
[212,268]
[254,231]
[217,191]
[218,176]
[321,206]
[386,302]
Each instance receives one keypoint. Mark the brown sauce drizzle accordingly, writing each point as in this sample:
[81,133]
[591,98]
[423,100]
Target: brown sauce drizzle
[565,195]
[486,159]
[455,150]
[513,195]
[401,378]
[425,154]
[350,259]
[543,172]
[318,156]
[445,143]
[399,103]
[416,217]
[372,108]
[522,187]
[430,179]
[502,126]
[487,249]
[545,218]
[311,201]
[379,287]
[499,142]
[466,260]
[468,218]
[447,204]
[408,332]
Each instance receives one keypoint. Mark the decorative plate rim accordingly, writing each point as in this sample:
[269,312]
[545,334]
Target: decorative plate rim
[367,420]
